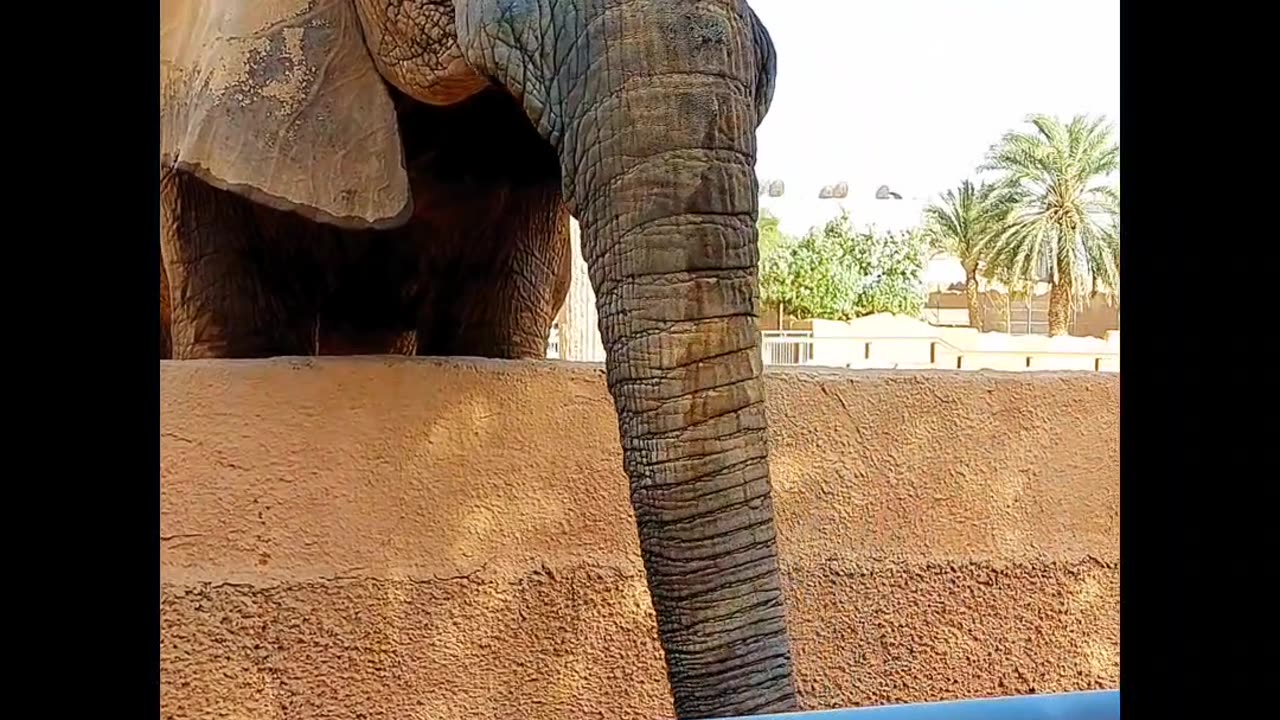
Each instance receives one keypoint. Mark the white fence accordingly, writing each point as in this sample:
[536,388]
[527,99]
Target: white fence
[800,348]
[787,347]
[922,352]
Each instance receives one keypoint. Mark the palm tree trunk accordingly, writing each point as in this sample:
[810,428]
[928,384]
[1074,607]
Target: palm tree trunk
[971,296]
[1060,307]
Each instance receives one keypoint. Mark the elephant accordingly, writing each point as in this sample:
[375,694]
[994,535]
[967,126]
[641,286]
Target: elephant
[362,177]
[166,343]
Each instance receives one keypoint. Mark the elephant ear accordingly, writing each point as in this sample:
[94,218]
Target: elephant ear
[279,101]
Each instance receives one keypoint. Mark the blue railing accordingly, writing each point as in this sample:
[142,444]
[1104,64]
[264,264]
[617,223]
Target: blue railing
[1090,705]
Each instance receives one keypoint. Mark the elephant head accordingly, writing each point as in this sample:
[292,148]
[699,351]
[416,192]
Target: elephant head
[651,107]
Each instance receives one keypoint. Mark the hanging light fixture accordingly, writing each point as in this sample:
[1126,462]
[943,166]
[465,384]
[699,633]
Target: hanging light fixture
[835,191]
[773,188]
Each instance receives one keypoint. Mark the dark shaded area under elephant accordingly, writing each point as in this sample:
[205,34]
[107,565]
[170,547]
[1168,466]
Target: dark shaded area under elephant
[479,270]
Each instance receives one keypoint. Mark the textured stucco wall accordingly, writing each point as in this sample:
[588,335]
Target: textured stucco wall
[398,538]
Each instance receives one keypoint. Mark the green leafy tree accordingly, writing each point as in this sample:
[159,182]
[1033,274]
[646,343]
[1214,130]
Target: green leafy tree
[775,251]
[771,237]
[1066,223]
[891,266]
[967,223]
[838,273]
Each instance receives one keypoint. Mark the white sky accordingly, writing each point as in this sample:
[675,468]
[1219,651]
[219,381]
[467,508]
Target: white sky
[911,93]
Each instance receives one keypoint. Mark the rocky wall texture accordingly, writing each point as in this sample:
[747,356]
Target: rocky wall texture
[402,538]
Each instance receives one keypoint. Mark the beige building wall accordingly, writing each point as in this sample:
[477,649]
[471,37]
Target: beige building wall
[950,309]
[886,341]
[1098,316]
[404,538]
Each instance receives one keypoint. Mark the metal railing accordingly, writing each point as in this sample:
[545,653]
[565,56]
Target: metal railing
[787,347]
[1087,705]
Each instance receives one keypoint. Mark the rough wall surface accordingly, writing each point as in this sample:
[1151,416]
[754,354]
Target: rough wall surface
[401,538]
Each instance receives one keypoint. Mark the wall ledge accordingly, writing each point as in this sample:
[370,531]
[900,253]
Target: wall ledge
[444,537]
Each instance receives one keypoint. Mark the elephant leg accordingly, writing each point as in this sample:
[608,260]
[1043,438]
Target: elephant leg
[369,306]
[498,296]
[367,342]
[233,291]
[166,342]
[490,226]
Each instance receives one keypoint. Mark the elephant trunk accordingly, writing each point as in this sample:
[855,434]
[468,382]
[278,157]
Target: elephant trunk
[652,106]
[660,174]
[671,249]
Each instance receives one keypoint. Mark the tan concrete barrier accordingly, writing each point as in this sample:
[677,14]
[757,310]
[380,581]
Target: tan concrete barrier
[396,538]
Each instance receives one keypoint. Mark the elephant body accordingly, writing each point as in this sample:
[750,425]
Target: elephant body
[370,176]
[479,269]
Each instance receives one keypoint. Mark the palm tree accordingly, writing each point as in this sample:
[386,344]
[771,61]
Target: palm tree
[1066,225]
[1015,288]
[966,224]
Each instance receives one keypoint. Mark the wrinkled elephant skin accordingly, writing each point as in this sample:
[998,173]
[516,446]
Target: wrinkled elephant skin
[367,176]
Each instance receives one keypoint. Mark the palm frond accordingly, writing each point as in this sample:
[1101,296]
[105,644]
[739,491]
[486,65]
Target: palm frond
[1064,226]
[968,219]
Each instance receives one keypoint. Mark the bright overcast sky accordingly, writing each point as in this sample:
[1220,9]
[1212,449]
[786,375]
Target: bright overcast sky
[911,93]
